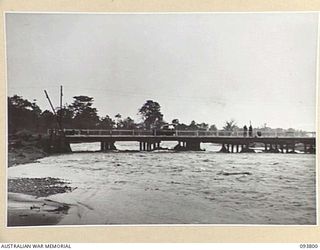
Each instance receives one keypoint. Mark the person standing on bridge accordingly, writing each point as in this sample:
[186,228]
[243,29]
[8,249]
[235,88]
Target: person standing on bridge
[250,130]
[245,131]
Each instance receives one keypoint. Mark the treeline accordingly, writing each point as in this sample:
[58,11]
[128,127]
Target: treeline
[80,114]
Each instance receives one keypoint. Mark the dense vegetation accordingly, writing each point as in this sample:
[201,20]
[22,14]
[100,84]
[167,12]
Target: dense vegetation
[81,114]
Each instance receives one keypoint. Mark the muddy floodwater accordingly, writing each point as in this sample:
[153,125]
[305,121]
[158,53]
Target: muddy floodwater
[165,187]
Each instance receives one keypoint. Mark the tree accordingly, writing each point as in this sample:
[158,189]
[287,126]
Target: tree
[47,120]
[128,123]
[213,128]
[84,115]
[182,126]
[106,123]
[230,125]
[203,126]
[66,115]
[193,125]
[151,114]
[22,114]
[175,121]
[80,103]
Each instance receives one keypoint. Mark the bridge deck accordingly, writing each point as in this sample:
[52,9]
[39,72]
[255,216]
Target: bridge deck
[232,137]
[187,140]
[204,139]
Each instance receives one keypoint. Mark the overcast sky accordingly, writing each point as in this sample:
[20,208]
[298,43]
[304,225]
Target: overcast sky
[203,67]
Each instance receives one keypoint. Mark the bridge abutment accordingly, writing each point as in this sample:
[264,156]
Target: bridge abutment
[191,145]
[58,144]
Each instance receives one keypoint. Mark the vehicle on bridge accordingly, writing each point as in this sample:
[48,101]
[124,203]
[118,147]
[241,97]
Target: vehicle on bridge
[167,129]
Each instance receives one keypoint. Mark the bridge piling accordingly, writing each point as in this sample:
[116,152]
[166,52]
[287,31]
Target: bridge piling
[224,149]
[106,146]
[281,148]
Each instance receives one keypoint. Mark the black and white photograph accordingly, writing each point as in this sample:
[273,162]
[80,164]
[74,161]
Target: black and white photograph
[161,118]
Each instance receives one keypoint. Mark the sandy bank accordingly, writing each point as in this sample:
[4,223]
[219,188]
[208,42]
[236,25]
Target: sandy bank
[28,204]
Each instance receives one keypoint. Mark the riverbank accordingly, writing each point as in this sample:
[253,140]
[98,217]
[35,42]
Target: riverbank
[25,147]
[29,154]
[28,203]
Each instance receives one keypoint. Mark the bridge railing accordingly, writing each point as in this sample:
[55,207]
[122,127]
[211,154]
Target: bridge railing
[195,133]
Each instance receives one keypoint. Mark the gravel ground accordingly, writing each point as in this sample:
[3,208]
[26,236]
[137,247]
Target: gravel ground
[39,187]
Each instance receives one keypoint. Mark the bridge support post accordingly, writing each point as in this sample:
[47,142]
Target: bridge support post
[312,149]
[106,146]
[237,148]
[281,148]
[287,148]
[232,146]
[246,149]
[224,149]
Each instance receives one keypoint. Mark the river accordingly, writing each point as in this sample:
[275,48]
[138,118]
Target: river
[166,187]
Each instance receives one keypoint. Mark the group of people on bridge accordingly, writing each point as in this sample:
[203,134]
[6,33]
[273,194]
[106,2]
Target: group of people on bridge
[245,131]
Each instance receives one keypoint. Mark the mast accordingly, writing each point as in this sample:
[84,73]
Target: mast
[53,110]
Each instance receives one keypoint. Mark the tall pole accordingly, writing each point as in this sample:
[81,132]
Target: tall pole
[61,94]
[53,110]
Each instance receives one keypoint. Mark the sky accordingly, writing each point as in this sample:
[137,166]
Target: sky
[209,67]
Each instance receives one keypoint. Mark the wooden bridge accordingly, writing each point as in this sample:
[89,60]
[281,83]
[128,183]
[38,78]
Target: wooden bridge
[231,141]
